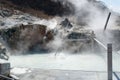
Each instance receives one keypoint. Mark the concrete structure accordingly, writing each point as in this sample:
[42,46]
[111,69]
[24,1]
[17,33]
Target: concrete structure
[4,71]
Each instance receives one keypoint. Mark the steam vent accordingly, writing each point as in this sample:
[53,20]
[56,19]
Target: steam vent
[59,40]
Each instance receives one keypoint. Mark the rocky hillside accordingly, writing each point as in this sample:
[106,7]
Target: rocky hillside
[26,37]
[25,32]
[40,8]
[49,8]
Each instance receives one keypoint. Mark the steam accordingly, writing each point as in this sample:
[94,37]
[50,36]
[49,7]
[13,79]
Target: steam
[93,16]
[56,44]
[90,14]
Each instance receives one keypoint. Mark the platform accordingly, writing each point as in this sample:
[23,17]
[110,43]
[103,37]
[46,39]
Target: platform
[38,74]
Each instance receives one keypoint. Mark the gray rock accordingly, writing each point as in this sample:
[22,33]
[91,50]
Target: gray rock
[5,13]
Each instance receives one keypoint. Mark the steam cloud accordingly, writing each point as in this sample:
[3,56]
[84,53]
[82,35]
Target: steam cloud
[92,14]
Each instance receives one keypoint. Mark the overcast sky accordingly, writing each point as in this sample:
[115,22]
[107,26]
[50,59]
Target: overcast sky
[113,4]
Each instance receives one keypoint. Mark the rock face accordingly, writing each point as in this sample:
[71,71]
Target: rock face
[5,12]
[49,7]
[27,37]
[66,23]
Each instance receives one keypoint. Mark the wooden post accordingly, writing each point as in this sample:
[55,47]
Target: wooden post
[109,61]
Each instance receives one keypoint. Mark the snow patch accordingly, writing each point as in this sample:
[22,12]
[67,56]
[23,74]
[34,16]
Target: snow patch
[26,19]
[3,61]
[20,71]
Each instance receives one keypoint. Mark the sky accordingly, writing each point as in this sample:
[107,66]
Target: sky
[113,4]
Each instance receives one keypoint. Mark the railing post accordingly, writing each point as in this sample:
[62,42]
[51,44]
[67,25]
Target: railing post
[109,61]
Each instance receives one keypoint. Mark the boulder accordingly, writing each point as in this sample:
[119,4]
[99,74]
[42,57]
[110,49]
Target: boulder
[26,37]
[5,12]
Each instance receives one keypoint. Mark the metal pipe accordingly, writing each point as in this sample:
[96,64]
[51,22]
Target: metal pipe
[116,76]
[100,43]
[5,77]
[109,61]
[107,21]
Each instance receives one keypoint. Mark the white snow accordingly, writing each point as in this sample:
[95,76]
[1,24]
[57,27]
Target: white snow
[26,19]
[63,66]
[19,71]
[3,61]
[86,62]
[52,23]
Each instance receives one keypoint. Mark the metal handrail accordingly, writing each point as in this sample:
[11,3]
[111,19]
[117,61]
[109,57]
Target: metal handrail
[6,77]
[116,75]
